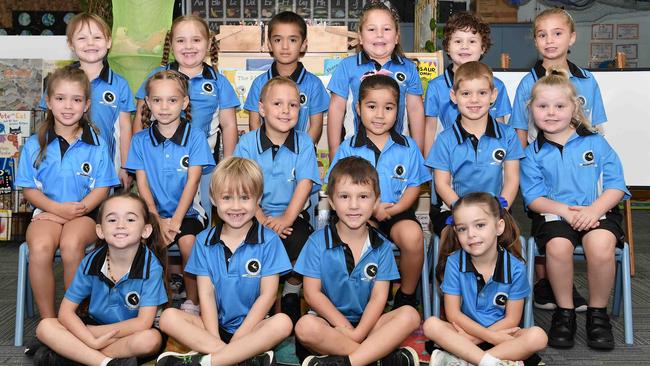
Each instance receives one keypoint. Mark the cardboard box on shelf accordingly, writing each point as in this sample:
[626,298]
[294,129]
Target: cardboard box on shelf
[495,11]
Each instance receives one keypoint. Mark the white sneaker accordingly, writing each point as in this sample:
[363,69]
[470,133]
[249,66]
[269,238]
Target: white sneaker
[442,358]
[189,307]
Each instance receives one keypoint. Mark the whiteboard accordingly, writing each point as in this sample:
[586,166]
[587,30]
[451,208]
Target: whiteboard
[626,95]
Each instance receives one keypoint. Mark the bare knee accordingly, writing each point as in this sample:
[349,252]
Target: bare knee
[408,316]
[433,326]
[308,330]
[536,338]
[559,249]
[409,238]
[71,248]
[46,326]
[281,324]
[169,319]
[146,342]
[41,250]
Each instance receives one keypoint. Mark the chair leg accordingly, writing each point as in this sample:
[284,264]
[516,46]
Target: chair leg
[426,296]
[436,294]
[627,296]
[618,288]
[21,288]
[529,317]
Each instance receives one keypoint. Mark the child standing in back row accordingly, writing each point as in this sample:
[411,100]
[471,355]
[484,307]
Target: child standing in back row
[287,41]
[379,52]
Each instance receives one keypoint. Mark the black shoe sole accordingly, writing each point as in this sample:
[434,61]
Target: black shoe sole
[561,344]
[603,346]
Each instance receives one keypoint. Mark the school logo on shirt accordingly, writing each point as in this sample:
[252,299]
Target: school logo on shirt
[587,158]
[253,267]
[370,271]
[500,299]
[132,300]
[185,162]
[400,76]
[303,99]
[582,100]
[399,171]
[86,168]
[207,87]
[498,155]
[108,97]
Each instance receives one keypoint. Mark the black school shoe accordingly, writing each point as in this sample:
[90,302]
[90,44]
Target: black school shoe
[544,298]
[402,299]
[290,305]
[132,361]
[32,346]
[599,329]
[405,356]
[45,356]
[563,328]
[264,359]
[326,361]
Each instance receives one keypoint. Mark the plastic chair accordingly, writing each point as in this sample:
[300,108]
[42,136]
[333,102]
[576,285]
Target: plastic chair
[622,286]
[432,258]
[24,296]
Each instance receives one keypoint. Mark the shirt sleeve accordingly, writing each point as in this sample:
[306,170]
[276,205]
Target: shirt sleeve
[519,117]
[451,280]
[126,98]
[387,268]
[42,105]
[26,171]
[141,93]
[81,286]
[613,177]
[519,288]
[319,99]
[153,291]
[308,262]
[419,174]
[515,151]
[431,100]
[275,256]
[227,96]
[241,149]
[598,115]
[307,166]
[197,264]
[106,175]
[135,159]
[253,98]
[341,153]
[200,154]
[440,154]
[531,177]
[414,85]
[502,103]
[340,82]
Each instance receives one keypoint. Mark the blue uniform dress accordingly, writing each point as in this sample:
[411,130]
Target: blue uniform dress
[110,95]
[437,102]
[485,302]
[237,275]
[475,165]
[69,172]
[283,166]
[346,79]
[399,164]
[575,174]
[346,284]
[313,95]
[588,95]
[112,302]
[166,162]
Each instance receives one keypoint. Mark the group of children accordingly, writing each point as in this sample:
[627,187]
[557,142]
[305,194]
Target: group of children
[263,194]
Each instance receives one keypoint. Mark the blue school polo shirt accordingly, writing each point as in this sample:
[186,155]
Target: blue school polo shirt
[209,92]
[475,165]
[313,96]
[346,79]
[166,161]
[110,95]
[437,102]
[68,172]
[586,87]
[284,166]
[346,284]
[112,302]
[575,174]
[399,164]
[237,275]
[485,302]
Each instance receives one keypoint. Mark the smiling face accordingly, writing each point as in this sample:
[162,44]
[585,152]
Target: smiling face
[68,102]
[353,203]
[474,98]
[280,106]
[379,35]
[552,109]
[123,223]
[166,100]
[553,37]
[464,46]
[378,111]
[235,207]
[477,231]
[189,44]
[89,43]
[286,43]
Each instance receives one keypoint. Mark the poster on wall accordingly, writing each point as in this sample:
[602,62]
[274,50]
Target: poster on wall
[631,51]
[16,123]
[602,31]
[20,84]
[627,31]
[601,52]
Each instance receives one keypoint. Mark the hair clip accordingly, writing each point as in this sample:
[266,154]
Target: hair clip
[376,72]
[502,201]
[450,220]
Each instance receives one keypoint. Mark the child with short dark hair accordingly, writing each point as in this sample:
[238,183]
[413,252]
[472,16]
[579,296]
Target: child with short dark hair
[401,172]
[477,154]
[238,263]
[347,268]
[287,42]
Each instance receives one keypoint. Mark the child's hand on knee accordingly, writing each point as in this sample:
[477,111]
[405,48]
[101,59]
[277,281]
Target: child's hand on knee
[47,216]
[281,225]
[503,335]
[380,212]
[351,333]
[462,332]
[585,218]
[103,340]
[71,210]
